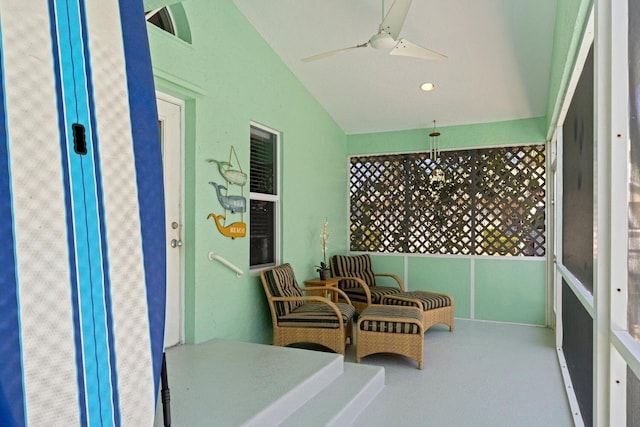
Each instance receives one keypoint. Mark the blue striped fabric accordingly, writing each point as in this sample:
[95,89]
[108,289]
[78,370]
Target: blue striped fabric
[66,284]
[148,163]
[75,81]
[11,367]
[71,241]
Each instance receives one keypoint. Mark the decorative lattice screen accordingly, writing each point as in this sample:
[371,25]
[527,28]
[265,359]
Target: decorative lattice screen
[483,202]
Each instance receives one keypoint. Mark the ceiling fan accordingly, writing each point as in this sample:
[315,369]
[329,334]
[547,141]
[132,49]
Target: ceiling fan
[387,37]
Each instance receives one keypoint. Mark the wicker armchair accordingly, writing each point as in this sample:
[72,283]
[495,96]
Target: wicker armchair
[310,319]
[358,280]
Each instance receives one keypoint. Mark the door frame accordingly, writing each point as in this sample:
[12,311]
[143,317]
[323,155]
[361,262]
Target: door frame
[162,96]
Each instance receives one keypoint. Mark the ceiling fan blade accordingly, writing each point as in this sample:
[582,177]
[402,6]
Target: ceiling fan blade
[393,22]
[333,52]
[406,48]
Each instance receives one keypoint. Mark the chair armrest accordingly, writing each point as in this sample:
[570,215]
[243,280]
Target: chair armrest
[394,277]
[327,289]
[360,282]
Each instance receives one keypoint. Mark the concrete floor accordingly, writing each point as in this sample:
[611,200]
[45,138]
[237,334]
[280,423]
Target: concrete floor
[482,374]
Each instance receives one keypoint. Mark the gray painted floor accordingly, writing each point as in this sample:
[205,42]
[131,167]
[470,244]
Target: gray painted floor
[482,374]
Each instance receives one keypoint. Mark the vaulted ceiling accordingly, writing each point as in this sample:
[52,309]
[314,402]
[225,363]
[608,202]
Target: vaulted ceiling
[498,66]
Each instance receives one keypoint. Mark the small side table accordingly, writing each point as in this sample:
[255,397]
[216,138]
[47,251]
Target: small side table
[331,282]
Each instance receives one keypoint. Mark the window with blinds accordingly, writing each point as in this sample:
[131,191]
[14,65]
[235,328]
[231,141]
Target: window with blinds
[264,203]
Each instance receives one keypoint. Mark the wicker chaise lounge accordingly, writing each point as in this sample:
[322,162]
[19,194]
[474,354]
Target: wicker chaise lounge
[306,319]
[358,280]
[435,307]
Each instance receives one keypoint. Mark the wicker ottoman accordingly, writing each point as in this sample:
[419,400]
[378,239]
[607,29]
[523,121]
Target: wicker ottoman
[436,308]
[387,329]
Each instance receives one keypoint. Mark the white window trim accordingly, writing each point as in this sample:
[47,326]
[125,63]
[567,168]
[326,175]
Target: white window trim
[270,198]
[620,350]
[614,348]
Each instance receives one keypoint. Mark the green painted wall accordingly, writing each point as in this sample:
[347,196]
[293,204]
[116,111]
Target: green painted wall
[229,77]
[504,289]
[447,275]
[388,264]
[453,137]
[570,26]
[510,291]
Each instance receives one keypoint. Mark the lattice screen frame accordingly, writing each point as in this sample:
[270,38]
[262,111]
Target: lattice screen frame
[488,201]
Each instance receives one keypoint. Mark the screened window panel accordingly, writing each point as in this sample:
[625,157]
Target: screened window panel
[577,161]
[634,175]
[482,202]
[577,346]
[633,399]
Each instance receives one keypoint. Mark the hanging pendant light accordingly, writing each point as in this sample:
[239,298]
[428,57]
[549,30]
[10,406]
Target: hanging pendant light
[437,177]
[434,143]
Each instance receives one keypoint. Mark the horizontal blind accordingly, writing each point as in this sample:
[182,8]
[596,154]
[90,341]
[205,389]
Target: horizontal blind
[263,162]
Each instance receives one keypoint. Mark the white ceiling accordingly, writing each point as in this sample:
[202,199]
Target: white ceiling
[498,66]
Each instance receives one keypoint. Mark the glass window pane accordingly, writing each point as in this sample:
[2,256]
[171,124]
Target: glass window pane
[162,19]
[262,231]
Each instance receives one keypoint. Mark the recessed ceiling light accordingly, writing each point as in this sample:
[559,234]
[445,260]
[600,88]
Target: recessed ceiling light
[427,87]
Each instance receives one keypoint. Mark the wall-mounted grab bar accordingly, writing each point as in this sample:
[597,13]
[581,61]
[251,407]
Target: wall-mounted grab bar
[213,256]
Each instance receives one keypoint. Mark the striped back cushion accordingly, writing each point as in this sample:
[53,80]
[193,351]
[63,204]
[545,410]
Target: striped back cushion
[353,266]
[282,283]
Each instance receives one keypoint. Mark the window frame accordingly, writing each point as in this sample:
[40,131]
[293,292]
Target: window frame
[614,348]
[273,198]
[168,14]
[614,132]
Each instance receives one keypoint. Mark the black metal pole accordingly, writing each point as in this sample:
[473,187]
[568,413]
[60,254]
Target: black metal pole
[164,392]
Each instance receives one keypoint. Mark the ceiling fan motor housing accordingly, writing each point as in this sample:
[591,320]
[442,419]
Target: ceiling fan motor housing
[382,41]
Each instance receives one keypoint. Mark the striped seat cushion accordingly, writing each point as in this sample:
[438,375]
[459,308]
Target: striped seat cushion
[370,320]
[282,283]
[352,266]
[377,292]
[421,299]
[317,315]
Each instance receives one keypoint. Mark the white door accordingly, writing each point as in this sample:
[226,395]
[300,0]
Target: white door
[170,112]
